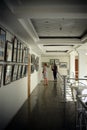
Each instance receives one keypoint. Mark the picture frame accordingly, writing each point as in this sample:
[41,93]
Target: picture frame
[63,65]
[14,72]
[26,55]
[37,60]
[32,69]
[52,61]
[14,56]
[2,44]
[7,74]
[37,67]
[25,70]
[8,51]
[1,70]
[19,73]
[18,51]
[57,61]
[32,58]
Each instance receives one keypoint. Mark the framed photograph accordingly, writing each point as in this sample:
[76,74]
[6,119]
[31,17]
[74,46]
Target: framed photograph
[7,74]
[14,72]
[52,61]
[63,65]
[37,60]
[14,56]
[19,73]
[2,44]
[18,51]
[32,68]
[57,61]
[37,67]
[1,70]
[26,55]
[25,70]
[8,51]
[32,58]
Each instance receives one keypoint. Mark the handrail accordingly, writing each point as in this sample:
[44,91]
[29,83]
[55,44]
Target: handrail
[60,76]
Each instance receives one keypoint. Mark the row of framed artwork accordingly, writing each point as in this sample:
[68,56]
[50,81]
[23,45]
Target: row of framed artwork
[12,72]
[12,51]
[57,62]
[61,64]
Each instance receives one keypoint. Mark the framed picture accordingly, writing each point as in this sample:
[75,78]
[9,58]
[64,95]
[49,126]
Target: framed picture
[14,72]
[37,60]
[26,55]
[1,70]
[14,56]
[7,74]
[8,51]
[18,51]
[19,73]
[37,67]
[32,58]
[2,44]
[57,61]
[25,70]
[32,68]
[63,65]
[52,61]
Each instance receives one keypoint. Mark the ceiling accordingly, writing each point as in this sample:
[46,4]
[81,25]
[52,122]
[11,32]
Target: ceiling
[50,27]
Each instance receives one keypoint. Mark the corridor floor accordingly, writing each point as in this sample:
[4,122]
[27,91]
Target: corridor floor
[45,109]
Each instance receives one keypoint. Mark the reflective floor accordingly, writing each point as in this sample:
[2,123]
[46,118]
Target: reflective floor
[45,110]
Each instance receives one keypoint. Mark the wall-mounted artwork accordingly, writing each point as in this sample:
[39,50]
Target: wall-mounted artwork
[32,68]
[2,44]
[14,72]
[52,61]
[25,70]
[19,71]
[8,51]
[57,61]
[37,67]
[18,52]
[37,60]
[14,56]
[1,70]
[63,65]
[33,59]
[7,74]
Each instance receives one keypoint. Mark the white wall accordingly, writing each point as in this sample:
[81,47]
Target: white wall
[12,97]
[72,65]
[62,58]
[82,64]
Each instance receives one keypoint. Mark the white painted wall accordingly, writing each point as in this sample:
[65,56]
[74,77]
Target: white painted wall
[72,65]
[12,97]
[82,64]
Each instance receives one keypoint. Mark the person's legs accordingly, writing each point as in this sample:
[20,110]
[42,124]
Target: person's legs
[55,76]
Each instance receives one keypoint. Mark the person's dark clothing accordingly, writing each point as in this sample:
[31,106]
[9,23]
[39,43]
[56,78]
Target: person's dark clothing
[54,69]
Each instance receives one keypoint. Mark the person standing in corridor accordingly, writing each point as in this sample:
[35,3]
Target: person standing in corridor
[45,74]
[55,71]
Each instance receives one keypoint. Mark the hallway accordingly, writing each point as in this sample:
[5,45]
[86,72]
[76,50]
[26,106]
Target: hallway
[45,109]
